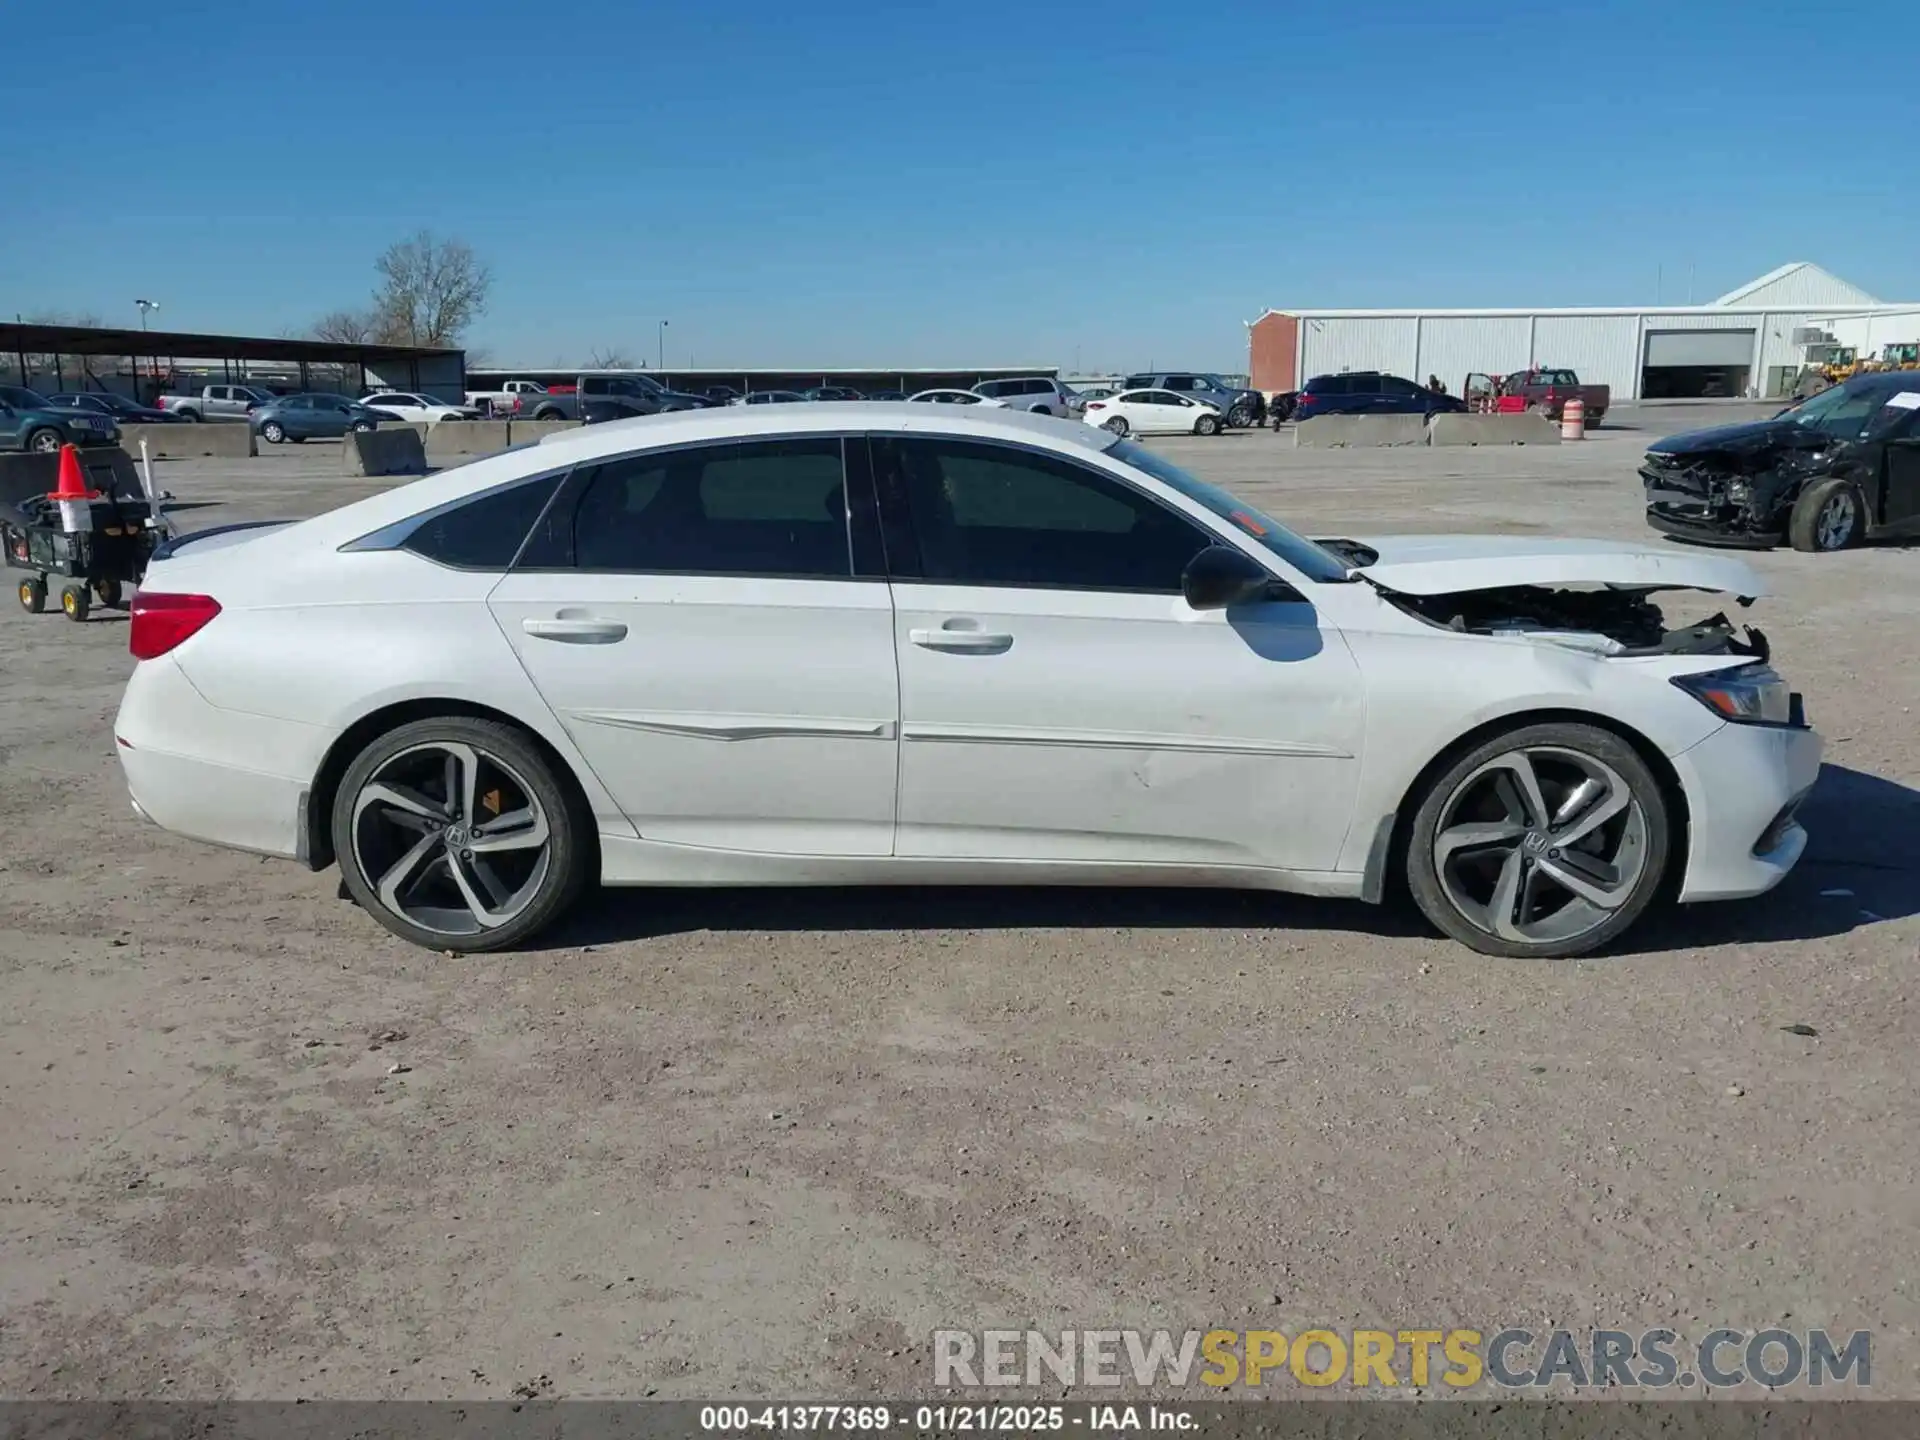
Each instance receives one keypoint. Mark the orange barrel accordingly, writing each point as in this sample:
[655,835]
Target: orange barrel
[1573,420]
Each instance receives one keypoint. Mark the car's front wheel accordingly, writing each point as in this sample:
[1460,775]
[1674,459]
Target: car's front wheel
[1827,516]
[1207,425]
[458,834]
[1545,842]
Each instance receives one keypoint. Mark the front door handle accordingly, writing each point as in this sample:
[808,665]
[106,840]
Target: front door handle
[576,632]
[965,642]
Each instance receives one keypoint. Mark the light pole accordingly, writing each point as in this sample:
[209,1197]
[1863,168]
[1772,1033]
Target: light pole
[145,306]
[663,345]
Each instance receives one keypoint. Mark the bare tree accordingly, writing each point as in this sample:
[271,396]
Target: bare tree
[609,357]
[430,291]
[345,327]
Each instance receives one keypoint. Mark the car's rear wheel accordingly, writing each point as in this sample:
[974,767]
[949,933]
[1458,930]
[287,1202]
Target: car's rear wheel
[1207,425]
[1545,842]
[458,834]
[273,432]
[1117,424]
[1827,516]
[363,427]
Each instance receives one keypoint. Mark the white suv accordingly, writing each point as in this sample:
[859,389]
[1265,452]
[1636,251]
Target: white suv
[1035,393]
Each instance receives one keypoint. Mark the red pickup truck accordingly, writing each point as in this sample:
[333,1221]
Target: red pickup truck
[1539,389]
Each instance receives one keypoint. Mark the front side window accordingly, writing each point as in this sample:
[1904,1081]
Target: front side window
[1182,382]
[772,508]
[484,533]
[984,514]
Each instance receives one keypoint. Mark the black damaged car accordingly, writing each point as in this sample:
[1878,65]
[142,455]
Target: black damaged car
[1837,468]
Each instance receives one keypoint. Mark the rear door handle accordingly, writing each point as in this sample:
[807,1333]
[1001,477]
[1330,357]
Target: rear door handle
[576,632]
[967,642]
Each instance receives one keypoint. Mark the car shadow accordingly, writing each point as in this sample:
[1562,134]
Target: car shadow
[1862,866]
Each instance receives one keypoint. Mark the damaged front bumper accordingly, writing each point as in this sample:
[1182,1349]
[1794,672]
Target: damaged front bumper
[1697,500]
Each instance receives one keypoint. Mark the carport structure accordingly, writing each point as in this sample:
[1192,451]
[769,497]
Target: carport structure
[55,357]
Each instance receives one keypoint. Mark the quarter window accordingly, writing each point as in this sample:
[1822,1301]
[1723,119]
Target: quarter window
[775,508]
[996,515]
[485,533]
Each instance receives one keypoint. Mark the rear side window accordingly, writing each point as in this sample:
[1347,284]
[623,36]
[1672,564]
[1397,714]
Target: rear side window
[485,533]
[769,508]
[1363,384]
[1329,385]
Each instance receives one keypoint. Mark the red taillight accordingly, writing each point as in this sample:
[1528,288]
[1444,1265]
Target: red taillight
[1096,404]
[160,621]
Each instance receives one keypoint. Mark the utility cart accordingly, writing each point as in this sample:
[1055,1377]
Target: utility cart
[100,563]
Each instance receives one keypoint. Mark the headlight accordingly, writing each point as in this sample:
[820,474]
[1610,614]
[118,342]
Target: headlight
[1739,491]
[1746,694]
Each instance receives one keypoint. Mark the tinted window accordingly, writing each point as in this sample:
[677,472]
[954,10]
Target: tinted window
[1394,385]
[773,507]
[1138,382]
[995,515]
[483,534]
[1328,385]
[388,400]
[1182,382]
[1363,384]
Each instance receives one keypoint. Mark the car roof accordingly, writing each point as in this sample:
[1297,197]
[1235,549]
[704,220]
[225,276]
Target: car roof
[590,443]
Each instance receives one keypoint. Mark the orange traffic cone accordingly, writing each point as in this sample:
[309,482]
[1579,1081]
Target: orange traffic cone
[72,495]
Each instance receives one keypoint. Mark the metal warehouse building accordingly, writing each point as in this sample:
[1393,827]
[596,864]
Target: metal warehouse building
[1751,341]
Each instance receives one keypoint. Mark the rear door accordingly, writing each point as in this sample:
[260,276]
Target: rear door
[1900,497]
[712,626]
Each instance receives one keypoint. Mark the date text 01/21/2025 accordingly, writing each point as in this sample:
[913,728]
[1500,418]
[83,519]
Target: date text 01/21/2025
[945,1419]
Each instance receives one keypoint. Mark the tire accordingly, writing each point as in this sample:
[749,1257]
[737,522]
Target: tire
[193,415]
[1240,416]
[108,593]
[45,442]
[363,427]
[1467,840]
[540,880]
[33,594]
[1207,425]
[273,432]
[1117,425]
[76,601]
[1828,516]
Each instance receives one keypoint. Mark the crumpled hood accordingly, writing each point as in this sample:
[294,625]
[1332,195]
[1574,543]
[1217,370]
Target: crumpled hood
[1445,564]
[1749,434]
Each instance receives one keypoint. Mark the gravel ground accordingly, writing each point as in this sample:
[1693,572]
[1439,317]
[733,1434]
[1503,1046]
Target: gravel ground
[712,1144]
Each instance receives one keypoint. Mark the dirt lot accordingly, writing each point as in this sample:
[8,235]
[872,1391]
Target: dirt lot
[716,1144]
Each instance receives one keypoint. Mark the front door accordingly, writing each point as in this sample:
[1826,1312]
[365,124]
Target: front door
[1901,500]
[1061,702]
[717,639]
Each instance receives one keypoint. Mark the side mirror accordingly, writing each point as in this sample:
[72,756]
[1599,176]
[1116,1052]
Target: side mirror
[1220,577]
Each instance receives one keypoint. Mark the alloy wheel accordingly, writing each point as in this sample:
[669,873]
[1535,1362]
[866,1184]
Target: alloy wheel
[46,442]
[1540,845]
[1835,525]
[451,838]
[1117,425]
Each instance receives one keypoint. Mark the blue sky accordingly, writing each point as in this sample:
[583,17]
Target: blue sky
[1098,184]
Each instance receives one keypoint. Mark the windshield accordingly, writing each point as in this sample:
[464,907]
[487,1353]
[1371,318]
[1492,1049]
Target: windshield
[1842,410]
[22,398]
[1302,554]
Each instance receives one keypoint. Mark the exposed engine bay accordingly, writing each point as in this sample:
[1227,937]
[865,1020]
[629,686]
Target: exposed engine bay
[1607,621]
[1741,492]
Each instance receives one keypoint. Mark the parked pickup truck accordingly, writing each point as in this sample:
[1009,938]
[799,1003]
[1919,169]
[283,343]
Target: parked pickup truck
[1539,389]
[594,398]
[510,398]
[217,402]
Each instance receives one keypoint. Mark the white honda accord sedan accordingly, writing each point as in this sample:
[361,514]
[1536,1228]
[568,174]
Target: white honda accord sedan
[916,644]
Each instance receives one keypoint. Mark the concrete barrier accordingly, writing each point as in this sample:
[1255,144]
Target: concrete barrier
[389,450]
[1333,432]
[191,442]
[457,439]
[1494,430]
[519,432]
